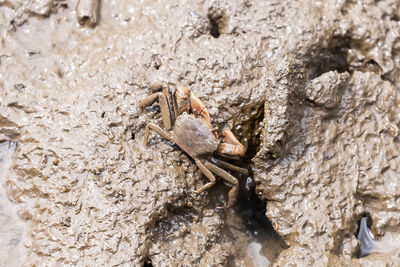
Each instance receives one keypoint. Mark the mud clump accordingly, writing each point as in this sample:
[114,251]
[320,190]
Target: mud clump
[313,87]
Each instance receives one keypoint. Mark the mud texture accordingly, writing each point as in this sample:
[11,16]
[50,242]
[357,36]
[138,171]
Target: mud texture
[312,87]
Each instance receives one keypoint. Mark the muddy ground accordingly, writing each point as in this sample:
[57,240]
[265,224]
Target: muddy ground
[313,87]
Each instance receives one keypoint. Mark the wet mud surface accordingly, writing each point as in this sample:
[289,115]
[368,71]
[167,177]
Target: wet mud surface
[313,87]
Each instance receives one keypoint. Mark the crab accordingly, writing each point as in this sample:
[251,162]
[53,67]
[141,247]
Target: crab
[187,123]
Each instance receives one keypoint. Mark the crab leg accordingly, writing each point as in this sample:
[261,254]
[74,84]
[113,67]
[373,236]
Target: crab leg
[165,112]
[233,193]
[226,165]
[157,130]
[208,174]
[230,145]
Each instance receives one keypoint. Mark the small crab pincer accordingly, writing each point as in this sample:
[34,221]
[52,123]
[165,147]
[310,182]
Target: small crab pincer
[186,118]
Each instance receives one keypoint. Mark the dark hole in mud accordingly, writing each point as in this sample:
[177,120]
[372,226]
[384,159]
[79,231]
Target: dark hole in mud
[20,87]
[153,109]
[217,22]
[84,20]
[373,66]
[247,223]
[252,210]
[396,17]
[147,263]
[176,217]
[214,31]
[13,24]
[388,77]
[60,74]
[371,62]
[369,65]
[332,58]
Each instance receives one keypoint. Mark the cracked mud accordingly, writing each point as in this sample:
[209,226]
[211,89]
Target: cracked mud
[313,87]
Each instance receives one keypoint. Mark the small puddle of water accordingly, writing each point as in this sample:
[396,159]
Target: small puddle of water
[387,244]
[253,250]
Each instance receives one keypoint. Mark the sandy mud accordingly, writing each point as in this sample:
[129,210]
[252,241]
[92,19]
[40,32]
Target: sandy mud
[311,88]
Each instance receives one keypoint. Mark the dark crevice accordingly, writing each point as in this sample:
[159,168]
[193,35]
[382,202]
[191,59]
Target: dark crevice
[388,77]
[84,20]
[252,210]
[217,22]
[155,108]
[174,219]
[156,62]
[20,87]
[371,62]
[214,30]
[147,263]
[371,66]
[251,130]
[395,18]
[249,208]
[366,65]
[332,58]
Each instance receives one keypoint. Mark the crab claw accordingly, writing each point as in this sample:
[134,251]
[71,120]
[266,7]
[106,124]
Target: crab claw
[230,145]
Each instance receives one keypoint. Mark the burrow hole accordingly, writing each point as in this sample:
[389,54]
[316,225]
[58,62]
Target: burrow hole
[249,208]
[332,58]
[217,20]
[147,263]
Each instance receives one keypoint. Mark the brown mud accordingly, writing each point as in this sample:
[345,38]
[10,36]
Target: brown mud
[313,86]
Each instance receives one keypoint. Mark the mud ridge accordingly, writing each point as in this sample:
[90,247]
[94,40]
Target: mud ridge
[311,87]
